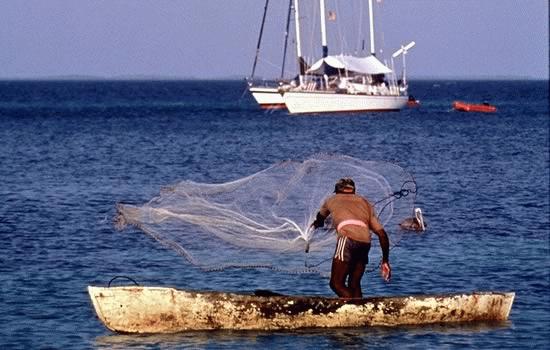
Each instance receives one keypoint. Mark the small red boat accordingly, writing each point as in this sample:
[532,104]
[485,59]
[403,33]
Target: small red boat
[413,102]
[472,107]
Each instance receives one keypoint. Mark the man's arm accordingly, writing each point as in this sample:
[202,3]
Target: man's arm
[319,220]
[384,244]
[378,229]
[323,213]
[385,268]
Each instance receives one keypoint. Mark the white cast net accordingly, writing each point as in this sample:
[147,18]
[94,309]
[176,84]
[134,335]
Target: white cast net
[262,220]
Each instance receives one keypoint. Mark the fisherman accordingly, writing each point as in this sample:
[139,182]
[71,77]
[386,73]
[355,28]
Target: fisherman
[354,219]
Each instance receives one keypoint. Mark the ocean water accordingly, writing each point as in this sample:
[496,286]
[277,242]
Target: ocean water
[69,151]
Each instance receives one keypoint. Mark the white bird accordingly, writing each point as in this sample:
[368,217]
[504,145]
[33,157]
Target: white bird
[414,224]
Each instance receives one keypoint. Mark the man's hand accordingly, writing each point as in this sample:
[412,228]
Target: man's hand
[319,221]
[385,271]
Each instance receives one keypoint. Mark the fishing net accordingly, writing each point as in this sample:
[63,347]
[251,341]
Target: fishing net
[263,220]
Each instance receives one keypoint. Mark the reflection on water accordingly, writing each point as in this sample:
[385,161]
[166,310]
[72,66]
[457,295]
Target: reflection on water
[70,151]
[330,338]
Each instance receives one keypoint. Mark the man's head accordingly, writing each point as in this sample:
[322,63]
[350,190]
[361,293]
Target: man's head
[345,185]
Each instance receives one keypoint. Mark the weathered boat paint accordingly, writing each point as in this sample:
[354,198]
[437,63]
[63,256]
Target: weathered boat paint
[166,310]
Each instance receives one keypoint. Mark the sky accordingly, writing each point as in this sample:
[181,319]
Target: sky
[216,39]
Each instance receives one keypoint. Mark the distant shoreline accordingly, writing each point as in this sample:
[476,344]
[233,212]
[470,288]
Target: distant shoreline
[235,78]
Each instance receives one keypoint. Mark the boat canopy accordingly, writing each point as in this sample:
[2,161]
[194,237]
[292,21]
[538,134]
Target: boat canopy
[364,65]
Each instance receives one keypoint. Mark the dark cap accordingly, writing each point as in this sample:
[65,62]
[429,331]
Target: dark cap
[345,185]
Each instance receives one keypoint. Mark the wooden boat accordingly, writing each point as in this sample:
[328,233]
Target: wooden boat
[136,309]
[471,107]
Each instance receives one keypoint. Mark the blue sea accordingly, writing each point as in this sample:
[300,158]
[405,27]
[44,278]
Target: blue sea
[71,150]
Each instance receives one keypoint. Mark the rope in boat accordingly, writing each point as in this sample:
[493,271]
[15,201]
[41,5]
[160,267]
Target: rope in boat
[125,277]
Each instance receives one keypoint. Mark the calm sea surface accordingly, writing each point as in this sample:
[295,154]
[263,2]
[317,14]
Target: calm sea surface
[69,151]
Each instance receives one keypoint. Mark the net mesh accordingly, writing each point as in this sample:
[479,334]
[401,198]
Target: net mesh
[262,220]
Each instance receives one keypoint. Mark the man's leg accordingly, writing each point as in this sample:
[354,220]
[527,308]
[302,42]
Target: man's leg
[358,265]
[338,276]
[358,269]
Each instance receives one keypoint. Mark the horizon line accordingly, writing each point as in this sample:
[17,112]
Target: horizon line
[144,77]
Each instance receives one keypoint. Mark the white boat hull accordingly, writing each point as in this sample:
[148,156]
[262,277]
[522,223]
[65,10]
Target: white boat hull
[267,98]
[136,309]
[331,102]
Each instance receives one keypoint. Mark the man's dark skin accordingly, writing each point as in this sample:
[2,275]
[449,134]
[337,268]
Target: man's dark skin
[352,271]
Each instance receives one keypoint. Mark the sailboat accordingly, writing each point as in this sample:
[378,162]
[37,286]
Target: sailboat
[271,97]
[347,83]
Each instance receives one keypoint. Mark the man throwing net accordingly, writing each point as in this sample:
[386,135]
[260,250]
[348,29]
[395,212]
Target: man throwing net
[354,218]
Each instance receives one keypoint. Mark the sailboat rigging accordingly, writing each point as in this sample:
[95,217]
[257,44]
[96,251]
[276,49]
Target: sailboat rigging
[268,97]
[347,83]
[335,83]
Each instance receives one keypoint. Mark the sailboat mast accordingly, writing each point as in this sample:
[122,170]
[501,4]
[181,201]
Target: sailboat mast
[259,41]
[371,27]
[323,28]
[286,37]
[301,63]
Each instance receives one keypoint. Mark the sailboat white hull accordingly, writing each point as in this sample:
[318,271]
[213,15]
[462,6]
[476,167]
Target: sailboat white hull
[267,98]
[331,102]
